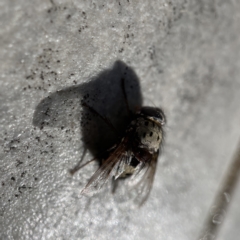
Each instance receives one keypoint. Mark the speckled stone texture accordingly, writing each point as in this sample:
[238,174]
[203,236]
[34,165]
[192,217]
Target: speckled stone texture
[182,55]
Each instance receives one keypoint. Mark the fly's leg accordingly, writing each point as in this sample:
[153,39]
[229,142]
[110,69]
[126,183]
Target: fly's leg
[79,165]
[114,185]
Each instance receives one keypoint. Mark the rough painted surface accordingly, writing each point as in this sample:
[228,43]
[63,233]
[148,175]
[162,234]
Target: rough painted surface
[186,57]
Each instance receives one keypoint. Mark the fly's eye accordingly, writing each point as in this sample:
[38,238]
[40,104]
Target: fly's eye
[160,116]
[154,113]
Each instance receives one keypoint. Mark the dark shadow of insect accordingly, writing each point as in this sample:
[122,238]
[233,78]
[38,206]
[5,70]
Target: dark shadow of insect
[122,135]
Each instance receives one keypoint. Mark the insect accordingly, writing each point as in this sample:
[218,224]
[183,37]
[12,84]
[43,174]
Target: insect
[135,155]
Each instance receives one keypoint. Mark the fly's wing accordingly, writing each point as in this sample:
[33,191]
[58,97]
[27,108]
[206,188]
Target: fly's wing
[110,167]
[141,182]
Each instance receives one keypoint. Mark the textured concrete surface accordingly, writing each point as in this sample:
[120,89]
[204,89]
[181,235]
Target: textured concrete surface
[183,56]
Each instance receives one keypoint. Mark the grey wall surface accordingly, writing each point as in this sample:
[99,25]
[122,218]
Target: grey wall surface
[186,57]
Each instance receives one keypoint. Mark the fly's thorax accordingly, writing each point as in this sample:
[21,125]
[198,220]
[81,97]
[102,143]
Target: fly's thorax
[149,134]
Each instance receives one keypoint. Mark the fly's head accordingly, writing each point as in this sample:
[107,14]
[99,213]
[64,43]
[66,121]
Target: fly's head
[153,114]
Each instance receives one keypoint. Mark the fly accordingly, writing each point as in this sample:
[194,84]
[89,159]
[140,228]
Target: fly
[135,155]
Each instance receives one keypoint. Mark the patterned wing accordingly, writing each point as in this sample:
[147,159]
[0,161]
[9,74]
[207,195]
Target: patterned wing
[141,182]
[110,167]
